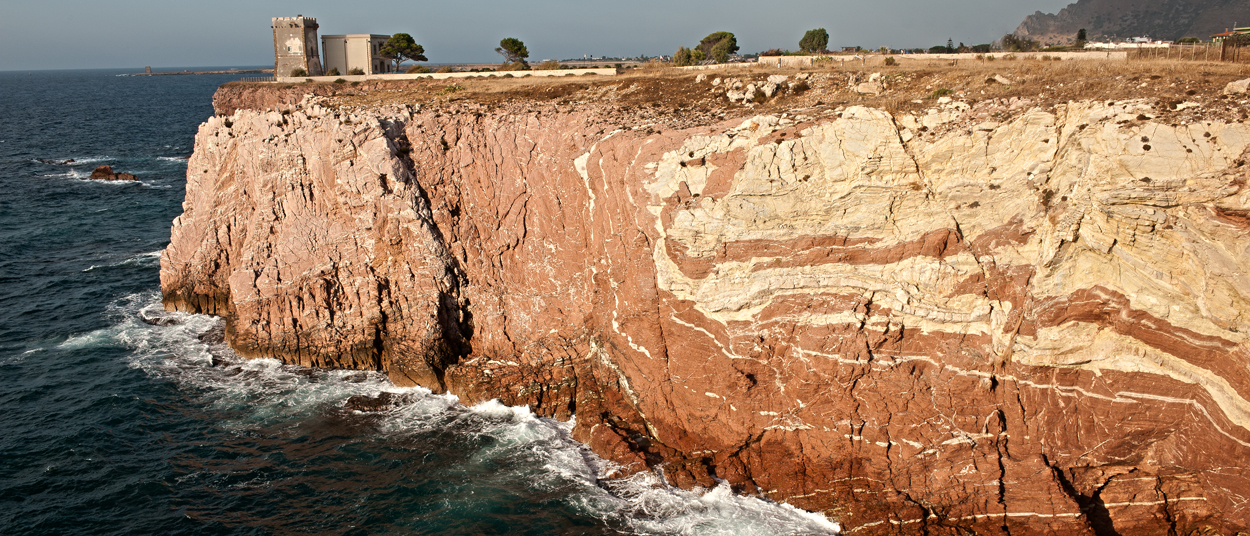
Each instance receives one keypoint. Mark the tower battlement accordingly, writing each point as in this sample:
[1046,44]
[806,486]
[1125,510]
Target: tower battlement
[295,46]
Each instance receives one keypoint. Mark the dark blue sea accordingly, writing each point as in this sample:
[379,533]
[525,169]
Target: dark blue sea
[113,425]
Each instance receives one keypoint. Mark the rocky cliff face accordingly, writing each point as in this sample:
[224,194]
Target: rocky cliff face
[1034,326]
[1161,19]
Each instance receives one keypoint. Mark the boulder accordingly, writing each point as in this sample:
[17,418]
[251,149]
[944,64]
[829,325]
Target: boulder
[873,88]
[769,88]
[106,173]
[1239,87]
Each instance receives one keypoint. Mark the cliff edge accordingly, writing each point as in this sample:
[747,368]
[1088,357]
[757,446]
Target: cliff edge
[980,314]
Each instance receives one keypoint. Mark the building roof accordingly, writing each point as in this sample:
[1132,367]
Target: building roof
[1234,31]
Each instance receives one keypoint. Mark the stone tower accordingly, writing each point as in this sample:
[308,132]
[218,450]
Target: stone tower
[295,46]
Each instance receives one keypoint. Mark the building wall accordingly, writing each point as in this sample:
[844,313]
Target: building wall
[295,45]
[347,52]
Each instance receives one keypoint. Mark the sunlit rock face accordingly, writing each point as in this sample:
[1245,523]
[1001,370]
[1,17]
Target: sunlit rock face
[1035,326]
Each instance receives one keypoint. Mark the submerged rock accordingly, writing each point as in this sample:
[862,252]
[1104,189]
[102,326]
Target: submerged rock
[106,173]
[385,401]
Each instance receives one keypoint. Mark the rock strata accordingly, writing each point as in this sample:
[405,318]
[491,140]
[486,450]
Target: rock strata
[1029,326]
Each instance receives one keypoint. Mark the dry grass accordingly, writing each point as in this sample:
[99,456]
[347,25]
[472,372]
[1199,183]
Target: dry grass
[673,96]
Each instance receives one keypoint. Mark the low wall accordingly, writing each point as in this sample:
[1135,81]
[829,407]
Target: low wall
[1115,55]
[444,76]
[809,61]
[715,66]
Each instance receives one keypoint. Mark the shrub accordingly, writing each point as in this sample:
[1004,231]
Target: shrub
[940,92]
[889,60]
[547,66]
[418,69]
[1017,43]
[334,71]
[339,80]
[357,71]
[514,66]
[297,72]
[450,89]
[444,69]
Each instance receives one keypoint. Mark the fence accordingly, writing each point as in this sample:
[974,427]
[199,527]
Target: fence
[1227,51]
[257,79]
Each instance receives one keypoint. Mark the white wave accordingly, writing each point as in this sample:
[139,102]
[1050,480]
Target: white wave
[90,160]
[539,450]
[148,258]
[179,159]
[644,502]
[71,174]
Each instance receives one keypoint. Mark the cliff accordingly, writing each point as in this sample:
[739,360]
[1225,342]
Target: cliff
[981,315]
[1161,19]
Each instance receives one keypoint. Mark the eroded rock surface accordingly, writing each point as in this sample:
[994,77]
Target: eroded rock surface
[1035,326]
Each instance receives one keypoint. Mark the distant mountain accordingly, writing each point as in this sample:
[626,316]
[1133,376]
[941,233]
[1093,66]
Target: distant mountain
[1168,20]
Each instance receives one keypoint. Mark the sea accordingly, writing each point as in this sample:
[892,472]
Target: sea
[119,418]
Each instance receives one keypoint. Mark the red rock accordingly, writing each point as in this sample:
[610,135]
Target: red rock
[828,321]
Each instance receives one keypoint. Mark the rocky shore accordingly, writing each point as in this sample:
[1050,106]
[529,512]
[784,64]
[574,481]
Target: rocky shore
[994,310]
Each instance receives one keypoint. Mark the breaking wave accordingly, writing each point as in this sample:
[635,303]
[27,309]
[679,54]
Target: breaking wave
[488,454]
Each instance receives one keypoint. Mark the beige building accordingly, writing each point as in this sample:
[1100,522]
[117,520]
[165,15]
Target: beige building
[355,51]
[295,46]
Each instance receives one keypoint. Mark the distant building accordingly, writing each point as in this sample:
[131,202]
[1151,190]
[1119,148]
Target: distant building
[295,46]
[355,51]
[1219,37]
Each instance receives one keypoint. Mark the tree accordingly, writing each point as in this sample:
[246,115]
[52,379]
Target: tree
[400,48]
[1189,41]
[814,40]
[1018,43]
[682,57]
[513,50]
[950,45]
[718,46]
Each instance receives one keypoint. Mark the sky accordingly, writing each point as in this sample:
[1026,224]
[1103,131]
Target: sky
[83,34]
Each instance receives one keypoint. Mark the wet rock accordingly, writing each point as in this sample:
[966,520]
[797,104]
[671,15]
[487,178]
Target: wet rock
[385,401]
[106,173]
[159,317]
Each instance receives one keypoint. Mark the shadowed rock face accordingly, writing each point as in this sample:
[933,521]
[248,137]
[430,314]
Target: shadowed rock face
[1035,327]
[1161,19]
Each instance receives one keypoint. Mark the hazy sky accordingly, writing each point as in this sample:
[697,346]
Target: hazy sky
[73,34]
